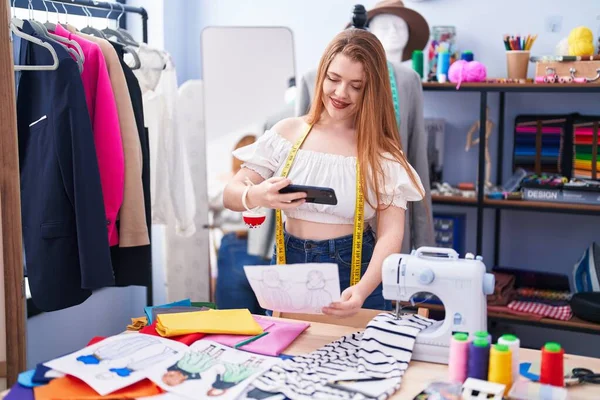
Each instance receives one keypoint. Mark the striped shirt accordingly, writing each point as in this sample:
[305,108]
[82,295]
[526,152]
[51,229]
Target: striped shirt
[383,350]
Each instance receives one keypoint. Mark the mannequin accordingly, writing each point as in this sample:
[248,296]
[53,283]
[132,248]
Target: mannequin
[392,31]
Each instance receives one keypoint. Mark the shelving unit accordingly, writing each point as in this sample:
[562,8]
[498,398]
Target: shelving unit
[539,206]
[480,203]
[574,324]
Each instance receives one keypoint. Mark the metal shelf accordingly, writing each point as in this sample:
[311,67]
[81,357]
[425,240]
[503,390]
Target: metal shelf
[513,87]
[574,324]
[521,205]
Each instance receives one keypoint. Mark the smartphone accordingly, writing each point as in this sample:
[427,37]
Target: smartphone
[314,194]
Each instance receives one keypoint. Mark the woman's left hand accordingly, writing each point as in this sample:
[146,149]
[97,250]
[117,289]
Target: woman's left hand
[350,302]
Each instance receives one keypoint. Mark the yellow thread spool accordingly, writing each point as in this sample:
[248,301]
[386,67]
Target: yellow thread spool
[500,369]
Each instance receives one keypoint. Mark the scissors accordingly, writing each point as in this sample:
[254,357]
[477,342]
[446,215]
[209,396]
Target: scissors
[582,375]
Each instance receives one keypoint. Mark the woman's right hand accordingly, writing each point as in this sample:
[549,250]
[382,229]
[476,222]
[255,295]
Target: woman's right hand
[266,194]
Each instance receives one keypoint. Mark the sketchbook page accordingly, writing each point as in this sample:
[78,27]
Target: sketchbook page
[298,288]
[117,361]
[209,370]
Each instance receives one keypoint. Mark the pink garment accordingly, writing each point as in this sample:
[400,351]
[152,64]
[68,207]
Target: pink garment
[281,335]
[105,125]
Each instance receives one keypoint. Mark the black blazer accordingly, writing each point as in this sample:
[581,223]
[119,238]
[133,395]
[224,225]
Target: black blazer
[133,265]
[64,225]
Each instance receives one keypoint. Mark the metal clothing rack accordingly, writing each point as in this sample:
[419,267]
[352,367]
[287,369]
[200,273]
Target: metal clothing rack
[94,5]
[77,9]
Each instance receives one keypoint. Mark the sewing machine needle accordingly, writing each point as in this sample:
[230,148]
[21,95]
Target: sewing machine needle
[397,309]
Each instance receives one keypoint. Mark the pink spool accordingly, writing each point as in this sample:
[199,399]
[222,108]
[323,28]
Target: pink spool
[459,357]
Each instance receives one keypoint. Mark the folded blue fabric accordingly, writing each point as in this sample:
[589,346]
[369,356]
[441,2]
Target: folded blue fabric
[40,374]
[183,303]
[25,379]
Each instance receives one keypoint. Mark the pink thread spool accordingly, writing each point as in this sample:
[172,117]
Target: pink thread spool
[459,357]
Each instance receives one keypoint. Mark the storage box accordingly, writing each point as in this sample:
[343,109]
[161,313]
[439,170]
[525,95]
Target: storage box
[449,231]
[583,69]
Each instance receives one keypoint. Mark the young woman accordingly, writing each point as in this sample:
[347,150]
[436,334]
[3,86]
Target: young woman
[351,121]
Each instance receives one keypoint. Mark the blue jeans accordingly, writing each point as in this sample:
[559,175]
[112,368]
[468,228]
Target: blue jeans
[337,251]
[233,290]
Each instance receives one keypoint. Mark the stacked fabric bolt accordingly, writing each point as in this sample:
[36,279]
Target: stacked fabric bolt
[583,153]
[525,147]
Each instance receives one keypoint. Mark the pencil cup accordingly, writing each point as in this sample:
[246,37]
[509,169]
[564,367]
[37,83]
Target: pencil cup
[517,62]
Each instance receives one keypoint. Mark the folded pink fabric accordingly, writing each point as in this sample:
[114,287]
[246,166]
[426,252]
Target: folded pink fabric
[281,335]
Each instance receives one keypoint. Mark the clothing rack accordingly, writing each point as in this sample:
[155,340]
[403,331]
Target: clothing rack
[96,5]
[117,9]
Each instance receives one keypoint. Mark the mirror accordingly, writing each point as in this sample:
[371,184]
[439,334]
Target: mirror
[246,73]
[249,85]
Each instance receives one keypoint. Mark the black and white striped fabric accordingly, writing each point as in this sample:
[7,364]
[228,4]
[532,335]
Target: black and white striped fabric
[383,350]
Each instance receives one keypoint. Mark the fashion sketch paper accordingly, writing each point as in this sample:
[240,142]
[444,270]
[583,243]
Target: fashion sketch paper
[117,361]
[298,288]
[209,370]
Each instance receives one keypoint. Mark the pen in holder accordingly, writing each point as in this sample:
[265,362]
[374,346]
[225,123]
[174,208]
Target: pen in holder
[517,55]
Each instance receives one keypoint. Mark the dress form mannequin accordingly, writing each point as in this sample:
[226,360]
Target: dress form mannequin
[392,31]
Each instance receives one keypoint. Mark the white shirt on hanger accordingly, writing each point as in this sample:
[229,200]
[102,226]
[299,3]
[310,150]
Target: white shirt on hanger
[171,182]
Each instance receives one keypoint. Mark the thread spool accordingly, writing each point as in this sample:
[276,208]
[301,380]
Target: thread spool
[459,355]
[552,368]
[483,335]
[479,355]
[500,369]
[443,65]
[513,344]
[467,56]
[417,62]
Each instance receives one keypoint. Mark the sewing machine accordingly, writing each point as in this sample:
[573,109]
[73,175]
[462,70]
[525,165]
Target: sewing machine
[460,284]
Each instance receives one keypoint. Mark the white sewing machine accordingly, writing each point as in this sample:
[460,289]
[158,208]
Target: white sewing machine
[460,284]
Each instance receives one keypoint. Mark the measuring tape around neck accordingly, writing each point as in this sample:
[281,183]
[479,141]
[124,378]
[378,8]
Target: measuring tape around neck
[358,217]
[395,95]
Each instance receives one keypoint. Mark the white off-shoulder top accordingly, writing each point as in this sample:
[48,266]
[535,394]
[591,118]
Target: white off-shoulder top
[267,157]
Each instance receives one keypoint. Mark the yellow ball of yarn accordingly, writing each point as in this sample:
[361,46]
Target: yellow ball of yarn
[581,42]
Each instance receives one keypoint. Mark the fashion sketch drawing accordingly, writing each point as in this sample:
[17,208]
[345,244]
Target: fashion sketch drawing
[318,297]
[275,290]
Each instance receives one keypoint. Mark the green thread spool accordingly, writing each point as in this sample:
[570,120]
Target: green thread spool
[417,62]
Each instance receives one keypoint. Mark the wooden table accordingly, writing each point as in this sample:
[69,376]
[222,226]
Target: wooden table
[420,374]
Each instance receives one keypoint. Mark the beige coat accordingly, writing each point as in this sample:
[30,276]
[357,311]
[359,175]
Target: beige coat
[133,230]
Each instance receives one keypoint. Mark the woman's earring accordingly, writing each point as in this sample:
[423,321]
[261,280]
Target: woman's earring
[253,218]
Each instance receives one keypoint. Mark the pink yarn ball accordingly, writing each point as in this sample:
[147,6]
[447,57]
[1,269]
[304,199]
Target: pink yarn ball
[463,71]
[456,72]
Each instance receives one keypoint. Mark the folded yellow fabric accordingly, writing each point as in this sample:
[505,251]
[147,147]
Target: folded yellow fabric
[232,322]
[137,324]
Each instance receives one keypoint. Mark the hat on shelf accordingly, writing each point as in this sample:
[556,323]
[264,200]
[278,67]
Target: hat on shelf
[418,28]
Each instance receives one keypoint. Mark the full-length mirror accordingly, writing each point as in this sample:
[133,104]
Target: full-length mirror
[249,84]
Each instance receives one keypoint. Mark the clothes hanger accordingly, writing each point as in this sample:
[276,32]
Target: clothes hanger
[16,25]
[137,63]
[90,30]
[41,30]
[108,31]
[124,32]
[49,26]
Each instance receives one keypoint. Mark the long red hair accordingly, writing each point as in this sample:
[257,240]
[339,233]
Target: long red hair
[375,121]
